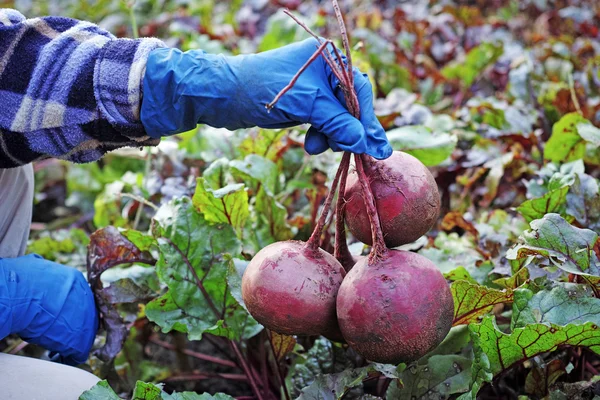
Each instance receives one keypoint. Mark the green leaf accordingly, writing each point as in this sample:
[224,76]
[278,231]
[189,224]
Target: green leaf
[140,240]
[504,350]
[431,148]
[150,391]
[496,351]
[281,30]
[265,142]
[476,61]
[102,391]
[471,301]
[551,202]
[218,175]
[568,247]
[271,220]
[514,281]
[334,386]
[566,144]
[583,202]
[227,205]
[440,377]
[559,306]
[257,170]
[589,133]
[194,264]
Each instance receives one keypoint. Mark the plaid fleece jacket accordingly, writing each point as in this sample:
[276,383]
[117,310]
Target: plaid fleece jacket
[68,89]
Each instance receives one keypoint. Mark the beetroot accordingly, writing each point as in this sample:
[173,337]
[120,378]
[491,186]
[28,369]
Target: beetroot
[406,196]
[395,309]
[291,288]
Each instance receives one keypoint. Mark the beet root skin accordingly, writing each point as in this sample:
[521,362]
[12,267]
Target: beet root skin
[406,196]
[395,310]
[292,289]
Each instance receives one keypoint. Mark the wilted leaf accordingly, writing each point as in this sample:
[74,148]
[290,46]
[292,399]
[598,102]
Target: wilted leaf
[227,205]
[440,377]
[282,344]
[471,301]
[540,379]
[107,249]
[456,219]
[431,148]
[127,291]
[570,248]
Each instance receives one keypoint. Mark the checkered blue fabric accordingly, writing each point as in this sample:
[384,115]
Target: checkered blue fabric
[68,89]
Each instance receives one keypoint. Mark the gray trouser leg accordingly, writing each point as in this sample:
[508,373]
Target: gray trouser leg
[16,204]
[23,378]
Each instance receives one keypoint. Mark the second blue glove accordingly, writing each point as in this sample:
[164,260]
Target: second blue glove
[48,304]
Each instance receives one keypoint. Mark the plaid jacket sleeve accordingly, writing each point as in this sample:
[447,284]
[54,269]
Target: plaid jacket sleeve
[68,89]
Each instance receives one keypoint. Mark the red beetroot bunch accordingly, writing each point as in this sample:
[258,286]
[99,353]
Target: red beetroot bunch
[392,306]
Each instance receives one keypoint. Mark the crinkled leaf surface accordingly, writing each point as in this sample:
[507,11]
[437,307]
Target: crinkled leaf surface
[471,301]
[257,170]
[566,144]
[194,267]
[496,351]
[440,377]
[562,305]
[334,386]
[551,202]
[583,202]
[227,205]
[570,248]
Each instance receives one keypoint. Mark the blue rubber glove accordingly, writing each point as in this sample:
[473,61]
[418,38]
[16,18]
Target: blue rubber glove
[49,305]
[184,89]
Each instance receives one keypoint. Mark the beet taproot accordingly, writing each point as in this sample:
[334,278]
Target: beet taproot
[395,309]
[291,288]
[406,196]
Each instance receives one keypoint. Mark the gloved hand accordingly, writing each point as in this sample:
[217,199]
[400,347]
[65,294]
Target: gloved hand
[183,89]
[48,304]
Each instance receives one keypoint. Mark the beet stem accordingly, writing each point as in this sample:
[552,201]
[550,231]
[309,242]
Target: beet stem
[312,58]
[315,238]
[337,70]
[379,248]
[341,251]
[246,369]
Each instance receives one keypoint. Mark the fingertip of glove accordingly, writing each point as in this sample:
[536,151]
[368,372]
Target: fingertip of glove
[381,153]
[315,142]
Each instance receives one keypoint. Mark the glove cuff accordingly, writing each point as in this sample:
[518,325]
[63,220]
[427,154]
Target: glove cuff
[118,76]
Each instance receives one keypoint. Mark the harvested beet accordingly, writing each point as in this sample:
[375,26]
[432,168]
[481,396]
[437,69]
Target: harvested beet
[291,288]
[396,309]
[406,195]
